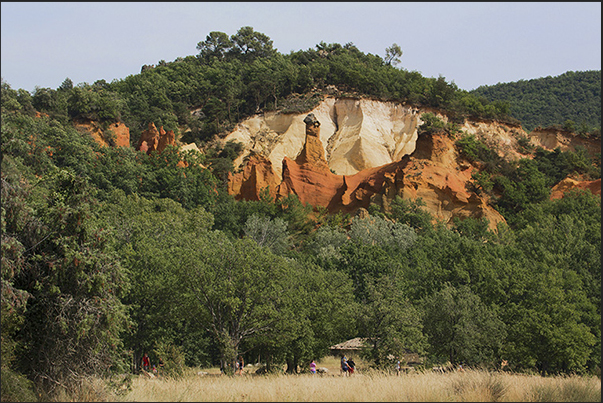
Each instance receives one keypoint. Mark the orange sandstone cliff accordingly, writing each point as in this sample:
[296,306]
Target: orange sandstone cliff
[431,173]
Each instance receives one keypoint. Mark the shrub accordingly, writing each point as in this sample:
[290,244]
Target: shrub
[172,357]
[16,387]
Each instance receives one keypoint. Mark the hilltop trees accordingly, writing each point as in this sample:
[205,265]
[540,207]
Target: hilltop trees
[216,45]
[246,44]
[574,96]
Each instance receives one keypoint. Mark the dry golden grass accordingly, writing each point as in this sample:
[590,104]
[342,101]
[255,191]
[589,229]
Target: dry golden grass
[471,386]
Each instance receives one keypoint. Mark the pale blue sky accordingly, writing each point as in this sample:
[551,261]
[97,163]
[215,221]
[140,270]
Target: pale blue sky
[471,44]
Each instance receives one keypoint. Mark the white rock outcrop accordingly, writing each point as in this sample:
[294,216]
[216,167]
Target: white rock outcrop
[357,134]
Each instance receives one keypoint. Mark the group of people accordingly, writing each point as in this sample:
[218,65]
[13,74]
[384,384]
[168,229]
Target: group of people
[146,365]
[348,366]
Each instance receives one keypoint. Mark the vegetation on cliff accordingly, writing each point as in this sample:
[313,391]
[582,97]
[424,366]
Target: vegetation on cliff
[108,253]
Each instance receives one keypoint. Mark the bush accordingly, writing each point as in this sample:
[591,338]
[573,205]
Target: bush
[431,124]
[172,357]
[16,387]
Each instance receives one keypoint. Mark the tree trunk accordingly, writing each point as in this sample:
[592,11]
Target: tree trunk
[290,367]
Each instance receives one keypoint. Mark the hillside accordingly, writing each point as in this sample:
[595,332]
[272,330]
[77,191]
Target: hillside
[572,99]
[244,202]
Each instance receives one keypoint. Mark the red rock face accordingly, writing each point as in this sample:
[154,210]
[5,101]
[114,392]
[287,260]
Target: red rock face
[309,176]
[430,173]
[122,134]
[312,184]
[155,140]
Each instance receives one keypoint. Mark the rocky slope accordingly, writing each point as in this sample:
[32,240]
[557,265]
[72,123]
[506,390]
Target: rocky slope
[117,134]
[569,184]
[348,153]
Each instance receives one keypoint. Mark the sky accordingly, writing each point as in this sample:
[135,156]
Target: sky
[470,44]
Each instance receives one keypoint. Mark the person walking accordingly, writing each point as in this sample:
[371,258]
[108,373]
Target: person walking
[398,366]
[344,365]
[313,367]
[351,366]
[240,364]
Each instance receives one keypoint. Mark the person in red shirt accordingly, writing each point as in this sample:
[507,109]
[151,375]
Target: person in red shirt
[146,363]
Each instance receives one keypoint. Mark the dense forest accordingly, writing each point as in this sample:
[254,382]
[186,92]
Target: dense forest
[108,253]
[571,100]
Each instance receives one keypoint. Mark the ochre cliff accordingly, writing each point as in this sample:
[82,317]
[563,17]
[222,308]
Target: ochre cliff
[349,153]
[356,134]
[117,134]
[430,173]
[551,138]
[308,176]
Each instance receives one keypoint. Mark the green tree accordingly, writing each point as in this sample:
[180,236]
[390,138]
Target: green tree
[389,235]
[393,54]
[266,232]
[325,244]
[461,328]
[235,289]
[411,213]
[431,124]
[74,316]
[250,44]
[314,319]
[557,308]
[216,44]
[525,185]
[390,322]
[13,301]
[149,236]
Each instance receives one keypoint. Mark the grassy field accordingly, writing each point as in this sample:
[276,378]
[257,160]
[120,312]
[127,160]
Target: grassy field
[365,385]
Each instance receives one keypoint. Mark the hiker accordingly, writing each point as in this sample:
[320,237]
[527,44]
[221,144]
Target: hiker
[398,366]
[160,369]
[240,365]
[344,365]
[146,363]
[313,367]
[351,366]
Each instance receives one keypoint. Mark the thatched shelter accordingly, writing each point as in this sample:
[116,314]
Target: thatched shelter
[354,346]
[350,347]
